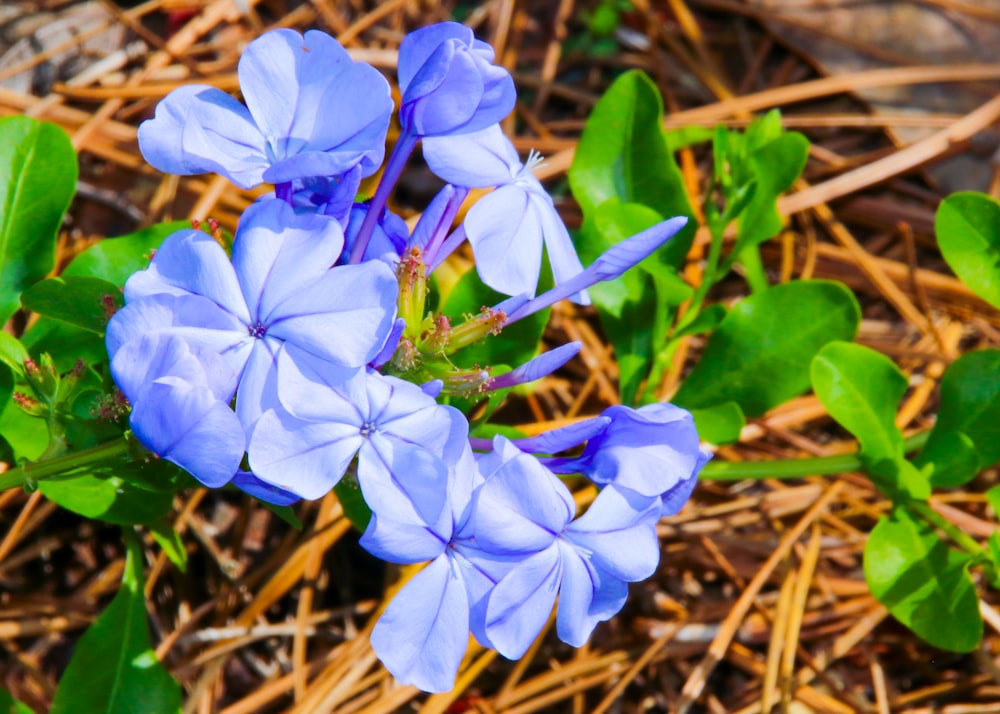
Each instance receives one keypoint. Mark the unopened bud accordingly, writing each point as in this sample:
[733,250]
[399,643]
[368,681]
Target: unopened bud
[29,405]
[412,275]
[488,322]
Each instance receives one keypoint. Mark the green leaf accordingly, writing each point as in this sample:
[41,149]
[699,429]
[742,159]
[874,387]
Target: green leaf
[925,584]
[84,302]
[635,309]
[115,259]
[99,491]
[775,167]
[706,321]
[6,384]
[38,173]
[65,342]
[952,462]
[353,502]
[970,404]
[12,353]
[114,669]
[993,498]
[9,705]
[623,154]
[27,436]
[759,354]
[720,424]
[285,513]
[968,232]
[170,540]
[861,389]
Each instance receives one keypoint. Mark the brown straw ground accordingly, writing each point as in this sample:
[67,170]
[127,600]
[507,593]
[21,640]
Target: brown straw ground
[759,603]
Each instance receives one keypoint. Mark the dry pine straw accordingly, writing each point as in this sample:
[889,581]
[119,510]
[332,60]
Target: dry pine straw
[759,602]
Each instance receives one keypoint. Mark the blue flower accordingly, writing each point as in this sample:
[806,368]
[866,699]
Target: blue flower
[508,226]
[524,510]
[651,450]
[449,82]
[311,111]
[401,436]
[180,403]
[278,289]
[422,635]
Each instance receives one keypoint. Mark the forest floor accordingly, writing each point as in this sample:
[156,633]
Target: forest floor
[760,601]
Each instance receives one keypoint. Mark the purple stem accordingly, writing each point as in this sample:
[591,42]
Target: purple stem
[448,247]
[434,245]
[393,168]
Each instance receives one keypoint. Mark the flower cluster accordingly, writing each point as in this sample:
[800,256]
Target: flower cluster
[306,354]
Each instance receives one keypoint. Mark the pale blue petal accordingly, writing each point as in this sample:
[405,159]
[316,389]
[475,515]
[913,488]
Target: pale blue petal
[401,542]
[316,390]
[419,45]
[477,160]
[187,425]
[198,129]
[587,596]
[619,532]
[522,506]
[258,384]
[197,320]
[344,316]
[305,458]
[277,254]
[520,604]
[191,262]
[402,482]
[422,635]
[558,245]
[506,240]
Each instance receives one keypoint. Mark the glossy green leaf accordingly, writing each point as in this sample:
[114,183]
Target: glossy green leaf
[109,498]
[635,310]
[114,669]
[12,353]
[861,389]
[706,321]
[285,513]
[924,583]
[26,435]
[9,705]
[81,301]
[970,405]
[65,342]
[38,172]
[993,498]
[720,424]
[967,225]
[6,384]
[170,540]
[353,502]
[759,354]
[954,460]
[115,259]
[623,154]
[775,166]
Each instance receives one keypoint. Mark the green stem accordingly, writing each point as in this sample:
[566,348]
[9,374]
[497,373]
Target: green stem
[794,468]
[960,537]
[53,468]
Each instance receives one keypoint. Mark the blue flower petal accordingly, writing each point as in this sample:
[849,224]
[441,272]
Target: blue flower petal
[422,635]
